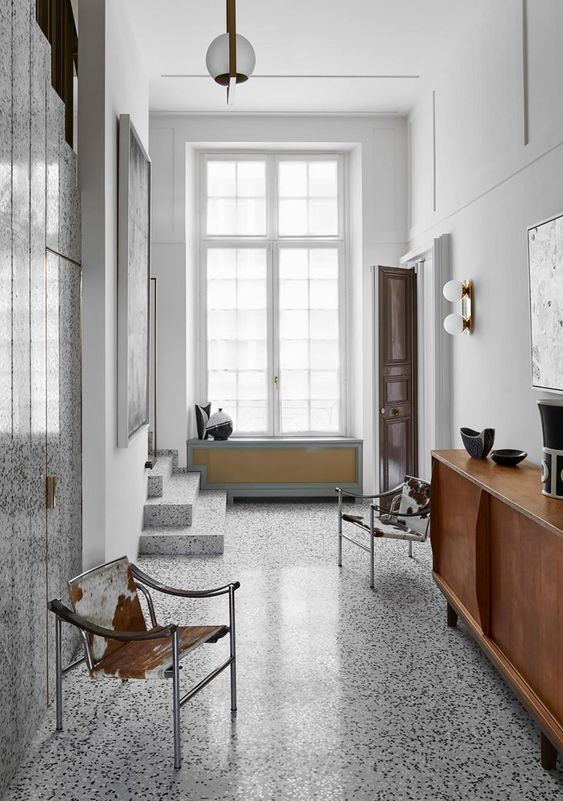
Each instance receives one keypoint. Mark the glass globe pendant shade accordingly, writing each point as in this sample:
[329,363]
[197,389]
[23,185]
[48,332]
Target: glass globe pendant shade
[454,324]
[217,59]
[453,291]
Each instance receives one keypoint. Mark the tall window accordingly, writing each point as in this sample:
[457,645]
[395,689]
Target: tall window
[273,257]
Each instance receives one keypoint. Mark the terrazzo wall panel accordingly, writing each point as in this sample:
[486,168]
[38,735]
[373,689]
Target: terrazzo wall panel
[39,206]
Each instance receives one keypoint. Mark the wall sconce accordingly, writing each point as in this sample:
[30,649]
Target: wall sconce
[459,323]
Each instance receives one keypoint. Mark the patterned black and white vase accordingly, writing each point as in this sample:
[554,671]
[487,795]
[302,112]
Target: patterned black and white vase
[202,415]
[220,425]
[551,414]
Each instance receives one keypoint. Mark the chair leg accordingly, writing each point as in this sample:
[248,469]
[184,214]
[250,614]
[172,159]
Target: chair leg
[232,636]
[59,673]
[176,698]
[410,548]
[339,528]
[371,550]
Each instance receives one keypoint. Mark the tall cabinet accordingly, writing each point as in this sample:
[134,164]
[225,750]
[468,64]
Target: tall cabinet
[40,373]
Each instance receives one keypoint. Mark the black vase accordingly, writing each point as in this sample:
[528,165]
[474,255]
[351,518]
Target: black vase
[551,413]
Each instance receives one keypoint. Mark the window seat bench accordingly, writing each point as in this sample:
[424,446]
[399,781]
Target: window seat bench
[276,467]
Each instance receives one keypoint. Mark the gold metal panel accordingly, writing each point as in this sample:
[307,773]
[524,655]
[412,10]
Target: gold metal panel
[278,465]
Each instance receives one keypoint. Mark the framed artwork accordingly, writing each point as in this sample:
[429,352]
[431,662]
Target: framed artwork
[133,283]
[545,265]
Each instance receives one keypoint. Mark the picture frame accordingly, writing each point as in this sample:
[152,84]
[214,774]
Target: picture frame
[133,283]
[545,276]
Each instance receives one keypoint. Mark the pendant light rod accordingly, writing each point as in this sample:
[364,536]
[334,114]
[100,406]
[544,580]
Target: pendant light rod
[232,32]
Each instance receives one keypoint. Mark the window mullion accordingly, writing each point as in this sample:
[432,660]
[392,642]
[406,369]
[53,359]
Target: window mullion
[275,351]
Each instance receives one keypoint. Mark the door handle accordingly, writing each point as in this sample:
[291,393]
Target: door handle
[396,412]
[50,491]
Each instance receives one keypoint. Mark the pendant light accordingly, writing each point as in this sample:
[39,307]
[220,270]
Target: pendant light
[230,57]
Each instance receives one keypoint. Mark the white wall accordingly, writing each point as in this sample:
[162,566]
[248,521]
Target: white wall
[487,186]
[114,83]
[378,168]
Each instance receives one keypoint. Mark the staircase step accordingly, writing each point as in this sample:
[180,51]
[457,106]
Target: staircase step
[158,476]
[204,537]
[175,507]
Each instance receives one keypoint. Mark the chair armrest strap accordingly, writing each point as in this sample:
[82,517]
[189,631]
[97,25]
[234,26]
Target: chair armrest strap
[424,512]
[381,494]
[80,622]
[157,585]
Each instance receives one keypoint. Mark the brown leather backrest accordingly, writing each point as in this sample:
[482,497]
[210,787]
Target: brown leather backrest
[107,596]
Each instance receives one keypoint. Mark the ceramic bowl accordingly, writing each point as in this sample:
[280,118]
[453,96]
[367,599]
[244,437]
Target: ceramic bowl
[478,444]
[508,457]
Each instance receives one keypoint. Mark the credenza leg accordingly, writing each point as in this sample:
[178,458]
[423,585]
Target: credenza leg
[548,753]
[452,617]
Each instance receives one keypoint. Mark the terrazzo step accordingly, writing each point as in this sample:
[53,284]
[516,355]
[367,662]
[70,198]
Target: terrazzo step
[205,536]
[175,507]
[158,476]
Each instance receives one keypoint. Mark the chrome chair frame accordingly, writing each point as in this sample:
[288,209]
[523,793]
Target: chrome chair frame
[392,512]
[143,582]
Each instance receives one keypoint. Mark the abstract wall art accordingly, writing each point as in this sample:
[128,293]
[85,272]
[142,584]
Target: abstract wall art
[134,226]
[545,262]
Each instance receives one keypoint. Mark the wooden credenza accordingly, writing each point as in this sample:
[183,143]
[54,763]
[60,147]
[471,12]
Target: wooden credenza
[497,546]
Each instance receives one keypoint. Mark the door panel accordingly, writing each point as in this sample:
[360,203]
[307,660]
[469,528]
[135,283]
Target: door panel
[397,376]
[64,425]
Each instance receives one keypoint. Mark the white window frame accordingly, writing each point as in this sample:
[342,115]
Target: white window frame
[272,242]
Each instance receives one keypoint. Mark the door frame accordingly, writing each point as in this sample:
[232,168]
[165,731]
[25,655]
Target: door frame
[412,461]
[432,263]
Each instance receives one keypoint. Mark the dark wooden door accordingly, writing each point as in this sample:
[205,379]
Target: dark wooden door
[397,376]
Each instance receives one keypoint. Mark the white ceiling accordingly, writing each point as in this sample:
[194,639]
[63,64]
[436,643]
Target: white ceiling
[301,37]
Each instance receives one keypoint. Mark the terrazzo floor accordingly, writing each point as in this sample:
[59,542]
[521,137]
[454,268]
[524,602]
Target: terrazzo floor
[344,693]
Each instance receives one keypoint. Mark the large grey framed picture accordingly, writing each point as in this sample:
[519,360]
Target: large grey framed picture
[133,283]
[545,263]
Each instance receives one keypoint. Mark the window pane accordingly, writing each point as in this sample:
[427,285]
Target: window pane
[251,217]
[324,294]
[221,180]
[237,336]
[324,385]
[251,179]
[324,324]
[295,384]
[323,263]
[294,294]
[323,217]
[294,353]
[293,217]
[294,263]
[221,294]
[323,179]
[325,415]
[294,416]
[325,355]
[221,384]
[252,416]
[292,179]
[221,216]
[252,385]
[294,324]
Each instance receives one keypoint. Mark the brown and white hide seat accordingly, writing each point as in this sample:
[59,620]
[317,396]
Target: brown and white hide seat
[108,597]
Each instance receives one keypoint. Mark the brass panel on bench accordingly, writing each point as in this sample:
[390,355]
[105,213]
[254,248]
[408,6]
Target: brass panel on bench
[307,465]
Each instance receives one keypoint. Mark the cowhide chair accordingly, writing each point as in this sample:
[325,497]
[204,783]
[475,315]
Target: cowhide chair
[118,643]
[406,518]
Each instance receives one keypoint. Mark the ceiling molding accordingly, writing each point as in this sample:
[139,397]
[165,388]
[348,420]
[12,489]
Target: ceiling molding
[239,113]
